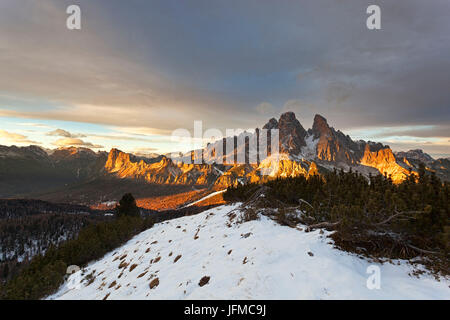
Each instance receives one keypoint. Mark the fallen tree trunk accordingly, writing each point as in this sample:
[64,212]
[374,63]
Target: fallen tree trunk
[323,225]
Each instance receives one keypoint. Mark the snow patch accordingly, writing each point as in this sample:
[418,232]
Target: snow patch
[206,197]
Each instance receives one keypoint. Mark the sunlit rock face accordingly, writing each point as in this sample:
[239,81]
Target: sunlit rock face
[333,145]
[313,170]
[281,165]
[382,158]
[165,171]
[161,170]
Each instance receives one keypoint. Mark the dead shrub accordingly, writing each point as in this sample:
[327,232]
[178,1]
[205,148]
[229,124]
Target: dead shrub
[248,214]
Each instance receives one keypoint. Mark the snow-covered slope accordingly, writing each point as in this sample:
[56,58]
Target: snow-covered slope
[253,260]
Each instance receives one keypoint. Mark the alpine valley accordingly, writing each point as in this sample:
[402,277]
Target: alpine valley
[82,176]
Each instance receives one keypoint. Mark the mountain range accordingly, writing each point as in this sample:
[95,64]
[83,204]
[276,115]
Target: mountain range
[82,175]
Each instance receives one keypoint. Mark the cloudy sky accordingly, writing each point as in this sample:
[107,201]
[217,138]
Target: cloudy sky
[138,69]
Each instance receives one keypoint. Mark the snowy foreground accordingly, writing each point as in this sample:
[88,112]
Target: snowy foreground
[253,260]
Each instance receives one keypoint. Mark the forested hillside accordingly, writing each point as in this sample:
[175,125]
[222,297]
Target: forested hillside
[91,236]
[373,217]
[30,227]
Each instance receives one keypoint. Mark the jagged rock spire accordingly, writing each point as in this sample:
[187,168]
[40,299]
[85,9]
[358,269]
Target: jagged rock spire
[291,132]
[272,124]
[320,126]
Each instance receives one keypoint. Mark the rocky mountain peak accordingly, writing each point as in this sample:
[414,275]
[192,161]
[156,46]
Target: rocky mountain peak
[289,121]
[31,152]
[416,154]
[272,124]
[288,116]
[116,159]
[73,152]
[292,134]
[320,126]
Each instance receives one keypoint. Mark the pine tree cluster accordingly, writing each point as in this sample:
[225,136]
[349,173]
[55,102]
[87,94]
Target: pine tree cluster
[372,216]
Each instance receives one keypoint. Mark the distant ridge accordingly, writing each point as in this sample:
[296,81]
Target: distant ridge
[26,170]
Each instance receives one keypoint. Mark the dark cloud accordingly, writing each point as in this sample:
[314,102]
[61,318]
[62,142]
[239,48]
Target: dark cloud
[164,64]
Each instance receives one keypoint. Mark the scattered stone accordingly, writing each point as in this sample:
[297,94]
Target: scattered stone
[142,274]
[154,283]
[133,267]
[204,281]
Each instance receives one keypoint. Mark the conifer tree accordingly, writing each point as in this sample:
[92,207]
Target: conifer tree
[127,206]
